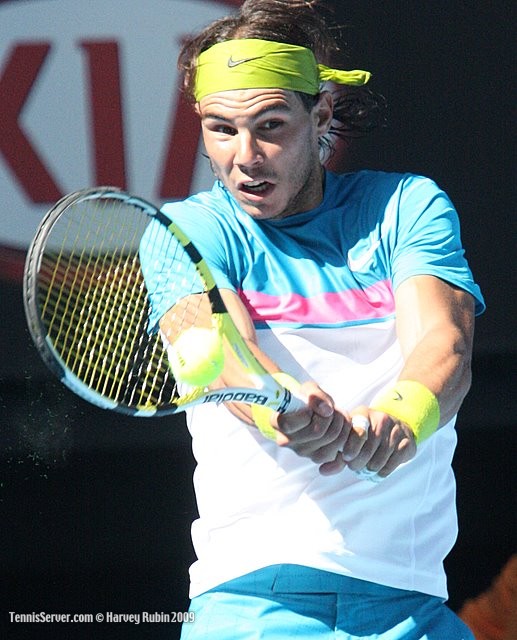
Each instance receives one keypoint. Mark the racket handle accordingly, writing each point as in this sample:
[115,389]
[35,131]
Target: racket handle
[292,400]
[294,403]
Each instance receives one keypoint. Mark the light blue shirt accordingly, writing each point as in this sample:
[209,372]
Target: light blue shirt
[335,265]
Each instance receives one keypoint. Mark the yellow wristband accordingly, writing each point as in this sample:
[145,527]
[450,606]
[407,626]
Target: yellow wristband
[413,403]
[261,414]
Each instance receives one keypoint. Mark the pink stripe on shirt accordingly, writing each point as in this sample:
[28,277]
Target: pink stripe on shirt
[353,305]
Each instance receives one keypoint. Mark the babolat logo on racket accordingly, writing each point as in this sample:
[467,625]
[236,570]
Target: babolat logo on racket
[236,396]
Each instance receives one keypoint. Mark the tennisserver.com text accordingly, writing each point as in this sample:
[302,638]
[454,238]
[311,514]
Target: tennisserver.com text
[142,617]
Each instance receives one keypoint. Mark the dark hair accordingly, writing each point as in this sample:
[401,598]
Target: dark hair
[301,22]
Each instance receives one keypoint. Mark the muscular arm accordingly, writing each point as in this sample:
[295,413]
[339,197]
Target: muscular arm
[195,310]
[317,432]
[435,327]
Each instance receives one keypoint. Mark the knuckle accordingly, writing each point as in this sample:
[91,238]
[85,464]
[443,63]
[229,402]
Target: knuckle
[320,457]
[325,454]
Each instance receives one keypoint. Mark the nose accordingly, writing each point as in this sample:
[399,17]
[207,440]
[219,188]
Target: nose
[247,150]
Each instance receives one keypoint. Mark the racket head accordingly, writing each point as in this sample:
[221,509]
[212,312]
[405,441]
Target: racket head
[88,311]
[86,303]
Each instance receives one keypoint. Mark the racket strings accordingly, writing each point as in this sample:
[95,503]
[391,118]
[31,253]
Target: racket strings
[187,304]
[88,293]
[95,305]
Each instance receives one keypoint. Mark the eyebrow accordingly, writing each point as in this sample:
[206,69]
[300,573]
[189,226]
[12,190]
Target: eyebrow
[277,108]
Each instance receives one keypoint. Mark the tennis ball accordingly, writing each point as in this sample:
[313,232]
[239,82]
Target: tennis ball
[196,357]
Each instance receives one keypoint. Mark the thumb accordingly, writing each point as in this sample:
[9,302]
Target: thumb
[323,408]
[318,401]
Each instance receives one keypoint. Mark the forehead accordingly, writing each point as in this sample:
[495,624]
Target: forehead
[249,102]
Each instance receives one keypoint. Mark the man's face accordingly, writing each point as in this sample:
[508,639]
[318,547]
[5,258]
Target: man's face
[263,146]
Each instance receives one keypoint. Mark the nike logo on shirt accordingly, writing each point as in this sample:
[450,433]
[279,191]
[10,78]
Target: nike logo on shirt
[356,264]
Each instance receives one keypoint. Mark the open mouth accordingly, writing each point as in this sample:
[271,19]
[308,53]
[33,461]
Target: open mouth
[256,187]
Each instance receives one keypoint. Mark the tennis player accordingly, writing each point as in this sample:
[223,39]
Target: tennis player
[357,286]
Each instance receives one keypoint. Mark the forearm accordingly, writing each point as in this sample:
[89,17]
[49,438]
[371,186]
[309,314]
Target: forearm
[435,330]
[235,376]
[435,326]
[442,362]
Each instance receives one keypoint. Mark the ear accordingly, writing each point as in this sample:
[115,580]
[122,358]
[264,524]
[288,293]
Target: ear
[323,112]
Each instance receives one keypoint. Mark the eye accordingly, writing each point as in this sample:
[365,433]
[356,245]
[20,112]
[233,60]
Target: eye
[271,125]
[225,130]
[220,127]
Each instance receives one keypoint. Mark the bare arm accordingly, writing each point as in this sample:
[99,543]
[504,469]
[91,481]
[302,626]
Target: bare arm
[318,432]
[435,327]
[437,340]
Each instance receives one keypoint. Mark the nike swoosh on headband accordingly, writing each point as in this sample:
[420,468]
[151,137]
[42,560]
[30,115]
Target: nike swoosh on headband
[279,65]
[235,63]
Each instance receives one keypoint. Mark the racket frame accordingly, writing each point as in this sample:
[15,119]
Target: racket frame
[268,392]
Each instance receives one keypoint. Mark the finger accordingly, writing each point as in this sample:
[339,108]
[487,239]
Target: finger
[322,439]
[387,441]
[335,466]
[326,448]
[402,452]
[363,457]
[391,453]
[380,439]
[290,423]
[358,435]
[317,400]
[318,413]
[360,420]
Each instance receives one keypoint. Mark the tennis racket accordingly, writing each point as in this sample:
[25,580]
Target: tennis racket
[88,310]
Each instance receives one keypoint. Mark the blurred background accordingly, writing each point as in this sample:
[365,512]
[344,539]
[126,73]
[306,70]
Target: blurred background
[96,508]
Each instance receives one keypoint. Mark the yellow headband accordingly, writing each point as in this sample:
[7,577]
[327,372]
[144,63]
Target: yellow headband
[262,64]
